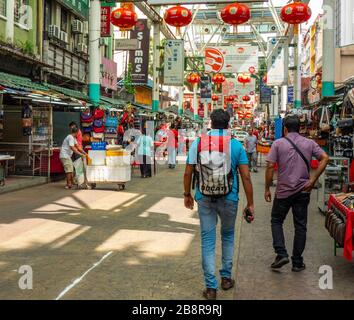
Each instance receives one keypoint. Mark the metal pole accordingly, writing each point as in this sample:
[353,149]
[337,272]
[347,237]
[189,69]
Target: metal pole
[156,65]
[94,51]
[328,72]
[195,102]
[297,82]
[284,97]
[180,101]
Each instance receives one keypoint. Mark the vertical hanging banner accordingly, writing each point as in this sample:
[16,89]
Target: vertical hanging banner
[205,89]
[232,59]
[105,21]
[139,58]
[278,61]
[265,92]
[174,63]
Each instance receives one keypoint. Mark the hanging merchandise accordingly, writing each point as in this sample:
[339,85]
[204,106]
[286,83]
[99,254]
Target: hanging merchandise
[98,113]
[236,13]
[325,120]
[86,116]
[27,120]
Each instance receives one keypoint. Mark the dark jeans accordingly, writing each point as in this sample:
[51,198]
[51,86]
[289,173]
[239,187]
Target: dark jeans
[299,204]
[145,165]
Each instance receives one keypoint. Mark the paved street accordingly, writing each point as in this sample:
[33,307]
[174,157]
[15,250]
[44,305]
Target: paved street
[143,244]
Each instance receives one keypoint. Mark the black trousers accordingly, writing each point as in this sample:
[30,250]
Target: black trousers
[145,165]
[299,204]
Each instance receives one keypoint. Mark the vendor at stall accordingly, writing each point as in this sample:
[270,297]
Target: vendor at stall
[68,148]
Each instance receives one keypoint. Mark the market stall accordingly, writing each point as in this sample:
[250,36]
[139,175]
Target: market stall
[340,222]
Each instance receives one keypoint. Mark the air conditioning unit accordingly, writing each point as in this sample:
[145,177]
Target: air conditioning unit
[78,26]
[54,31]
[64,37]
[82,48]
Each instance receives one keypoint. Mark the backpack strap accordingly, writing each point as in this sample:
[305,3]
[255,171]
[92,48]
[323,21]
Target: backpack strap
[300,153]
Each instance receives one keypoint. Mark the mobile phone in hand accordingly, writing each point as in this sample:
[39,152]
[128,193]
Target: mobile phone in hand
[248,216]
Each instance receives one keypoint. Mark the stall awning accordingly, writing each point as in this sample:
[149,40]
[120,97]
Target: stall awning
[69,92]
[19,83]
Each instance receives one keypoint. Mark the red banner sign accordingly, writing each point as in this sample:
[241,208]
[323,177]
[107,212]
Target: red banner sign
[105,21]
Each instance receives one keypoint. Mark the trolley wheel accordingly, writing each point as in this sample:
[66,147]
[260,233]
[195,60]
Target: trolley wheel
[93,185]
[121,187]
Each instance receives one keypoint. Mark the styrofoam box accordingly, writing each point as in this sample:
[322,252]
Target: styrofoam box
[108,174]
[98,157]
[118,161]
[118,174]
[96,173]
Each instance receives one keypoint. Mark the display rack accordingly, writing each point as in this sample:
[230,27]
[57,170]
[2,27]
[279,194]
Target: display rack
[332,181]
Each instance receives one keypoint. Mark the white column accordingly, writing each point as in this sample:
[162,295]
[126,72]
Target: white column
[10,15]
[94,51]
[328,72]
[156,66]
[298,55]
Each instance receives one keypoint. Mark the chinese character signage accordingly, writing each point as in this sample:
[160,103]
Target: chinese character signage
[109,74]
[139,58]
[80,7]
[105,21]
[232,59]
[174,63]
[205,89]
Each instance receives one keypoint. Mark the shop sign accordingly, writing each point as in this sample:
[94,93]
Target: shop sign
[109,74]
[265,93]
[105,21]
[174,63]
[277,62]
[290,94]
[205,89]
[126,44]
[139,58]
[80,7]
[232,59]
[143,96]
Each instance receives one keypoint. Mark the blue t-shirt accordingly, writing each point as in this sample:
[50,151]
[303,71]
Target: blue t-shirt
[145,144]
[238,157]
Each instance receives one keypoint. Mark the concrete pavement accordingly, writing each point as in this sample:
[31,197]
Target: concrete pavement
[143,244]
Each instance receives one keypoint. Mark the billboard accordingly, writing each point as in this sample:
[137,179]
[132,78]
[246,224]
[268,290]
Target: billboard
[106,21]
[277,63]
[233,87]
[231,59]
[265,92]
[206,88]
[139,58]
[174,63]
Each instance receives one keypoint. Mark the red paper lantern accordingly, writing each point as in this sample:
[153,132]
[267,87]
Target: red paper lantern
[178,16]
[124,18]
[218,78]
[230,98]
[246,98]
[244,78]
[193,78]
[214,97]
[236,13]
[296,13]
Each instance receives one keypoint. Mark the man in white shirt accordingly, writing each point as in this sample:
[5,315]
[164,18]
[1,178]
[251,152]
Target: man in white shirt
[251,149]
[68,148]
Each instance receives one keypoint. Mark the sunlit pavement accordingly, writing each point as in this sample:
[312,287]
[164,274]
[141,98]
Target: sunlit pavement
[143,244]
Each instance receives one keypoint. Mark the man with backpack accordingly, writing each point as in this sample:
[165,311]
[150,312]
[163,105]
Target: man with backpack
[293,154]
[214,160]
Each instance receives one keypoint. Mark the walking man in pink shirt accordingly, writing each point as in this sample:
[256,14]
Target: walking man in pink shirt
[293,154]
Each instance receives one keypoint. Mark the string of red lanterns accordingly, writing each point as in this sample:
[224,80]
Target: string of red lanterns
[193,78]
[178,17]
[244,78]
[296,13]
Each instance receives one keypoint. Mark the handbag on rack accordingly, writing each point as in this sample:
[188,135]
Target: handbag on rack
[87,129]
[98,129]
[98,114]
[86,124]
[98,123]
[86,117]
[111,122]
[325,120]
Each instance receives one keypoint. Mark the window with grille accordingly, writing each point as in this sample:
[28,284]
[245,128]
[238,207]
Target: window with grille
[20,12]
[3,8]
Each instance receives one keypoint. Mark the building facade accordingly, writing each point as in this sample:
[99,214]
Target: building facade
[344,23]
